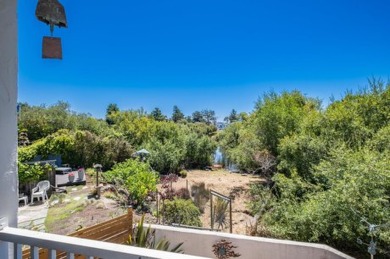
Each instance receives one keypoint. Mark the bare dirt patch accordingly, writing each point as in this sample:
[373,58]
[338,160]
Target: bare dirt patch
[234,185]
[76,210]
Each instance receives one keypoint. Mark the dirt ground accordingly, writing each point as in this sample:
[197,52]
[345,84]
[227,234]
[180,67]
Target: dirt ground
[234,185]
[78,209]
[75,210]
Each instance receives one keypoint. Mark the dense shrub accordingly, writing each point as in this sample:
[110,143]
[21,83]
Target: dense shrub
[136,176]
[332,166]
[32,173]
[79,148]
[181,211]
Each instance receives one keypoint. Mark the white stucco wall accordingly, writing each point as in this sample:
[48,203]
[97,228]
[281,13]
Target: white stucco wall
[8,122]
[200,242]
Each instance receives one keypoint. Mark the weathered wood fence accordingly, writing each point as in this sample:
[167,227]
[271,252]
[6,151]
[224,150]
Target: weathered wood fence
[116,230]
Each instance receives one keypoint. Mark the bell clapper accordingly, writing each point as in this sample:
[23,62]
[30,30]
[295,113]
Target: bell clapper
[51,29]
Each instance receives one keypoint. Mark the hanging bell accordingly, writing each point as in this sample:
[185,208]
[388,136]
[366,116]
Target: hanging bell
[52,13]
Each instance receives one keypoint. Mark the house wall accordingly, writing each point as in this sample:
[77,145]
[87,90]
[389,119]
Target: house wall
[200,242]
[8,126]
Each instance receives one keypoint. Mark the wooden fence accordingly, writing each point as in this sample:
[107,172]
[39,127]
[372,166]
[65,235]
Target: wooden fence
[116,230]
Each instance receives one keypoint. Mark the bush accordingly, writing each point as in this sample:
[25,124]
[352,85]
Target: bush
[79,148]
[31,173]
[357,185]
[183,173]
[136,177]
[181,211]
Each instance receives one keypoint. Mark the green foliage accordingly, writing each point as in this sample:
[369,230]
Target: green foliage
[300,153]
[233,117]
[136,177]
[278,116]
[183,173]
[181,212]
[166,157]
[141,184]
[146,238]
[41,121]
[79,148]
[198,151]
[157,115]
[174,147]
[32,173]
[177,115]
[112,109]
[332,166]
[356,181]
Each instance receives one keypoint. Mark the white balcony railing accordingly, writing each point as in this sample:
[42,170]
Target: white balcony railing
[78,246]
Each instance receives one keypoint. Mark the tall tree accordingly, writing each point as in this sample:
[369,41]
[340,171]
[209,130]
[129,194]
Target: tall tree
[112,108]
[209,117]
[177,115]
[197,117]
[233,116]
[158,115]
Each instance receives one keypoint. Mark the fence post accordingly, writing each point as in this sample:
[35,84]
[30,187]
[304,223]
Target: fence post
[130,216]
[230,215]
[158,208]
[211,211]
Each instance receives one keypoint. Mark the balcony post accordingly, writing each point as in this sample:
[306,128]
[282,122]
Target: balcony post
[8,119]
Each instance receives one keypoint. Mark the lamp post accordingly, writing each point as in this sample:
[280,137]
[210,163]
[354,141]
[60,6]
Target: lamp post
[98,168]
[373,229]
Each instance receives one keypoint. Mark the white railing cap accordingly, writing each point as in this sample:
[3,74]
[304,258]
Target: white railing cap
[84,246]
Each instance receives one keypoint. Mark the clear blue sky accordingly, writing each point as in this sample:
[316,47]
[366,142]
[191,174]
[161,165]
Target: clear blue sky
[197,54]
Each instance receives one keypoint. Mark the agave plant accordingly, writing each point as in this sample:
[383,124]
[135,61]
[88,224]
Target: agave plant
[146,237]
[220,208]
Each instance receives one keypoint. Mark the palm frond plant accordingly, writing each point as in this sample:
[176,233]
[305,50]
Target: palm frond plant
[146,238]
[220,208]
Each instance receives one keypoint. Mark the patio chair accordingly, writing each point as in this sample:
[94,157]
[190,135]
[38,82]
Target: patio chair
[40,191]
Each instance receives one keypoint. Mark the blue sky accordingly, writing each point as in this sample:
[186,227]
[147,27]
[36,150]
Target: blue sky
[202,54]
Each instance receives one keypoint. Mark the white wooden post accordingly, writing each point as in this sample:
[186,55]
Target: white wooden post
[8,122]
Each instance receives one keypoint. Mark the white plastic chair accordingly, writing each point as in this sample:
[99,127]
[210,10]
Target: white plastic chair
[40,191]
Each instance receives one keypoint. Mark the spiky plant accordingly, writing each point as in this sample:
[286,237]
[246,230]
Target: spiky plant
[220,208]
[146,238]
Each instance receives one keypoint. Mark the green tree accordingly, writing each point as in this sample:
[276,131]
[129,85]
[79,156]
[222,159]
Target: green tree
[233,117]
[111,110]
[209,117]
[157,115]
[177,115]
[197,116]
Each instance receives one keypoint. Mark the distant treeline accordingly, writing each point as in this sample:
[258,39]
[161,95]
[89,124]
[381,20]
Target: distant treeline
[81,140]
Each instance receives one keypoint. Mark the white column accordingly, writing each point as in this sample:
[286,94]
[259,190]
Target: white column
[8,122]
